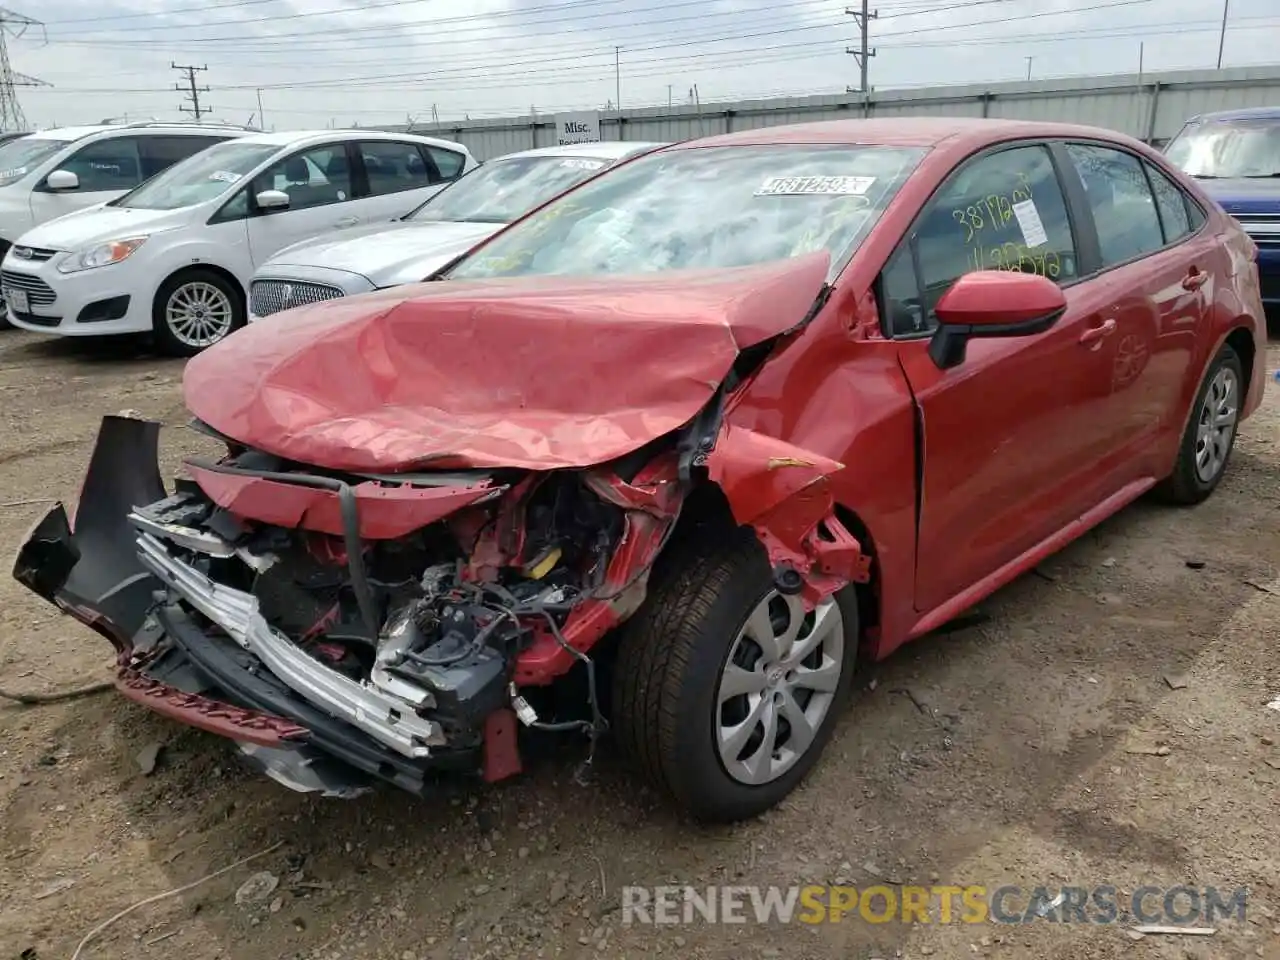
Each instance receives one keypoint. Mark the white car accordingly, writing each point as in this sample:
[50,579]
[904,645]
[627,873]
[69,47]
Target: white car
[55,172]
[174,256]
[445,227]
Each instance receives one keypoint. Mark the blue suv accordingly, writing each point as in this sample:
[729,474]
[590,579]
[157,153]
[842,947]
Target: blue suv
[1235,154]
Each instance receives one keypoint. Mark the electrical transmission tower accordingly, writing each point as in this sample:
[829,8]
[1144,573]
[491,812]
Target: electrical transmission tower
[192,91]
[862,53]
[14,25]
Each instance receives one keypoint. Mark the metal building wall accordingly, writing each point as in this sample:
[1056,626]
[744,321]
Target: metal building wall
[1151,107]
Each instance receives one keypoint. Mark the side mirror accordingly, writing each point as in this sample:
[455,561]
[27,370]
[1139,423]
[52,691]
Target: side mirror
[993,303]
[272,200]
[61,180]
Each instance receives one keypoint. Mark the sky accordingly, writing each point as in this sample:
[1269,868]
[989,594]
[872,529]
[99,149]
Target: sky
[319,63]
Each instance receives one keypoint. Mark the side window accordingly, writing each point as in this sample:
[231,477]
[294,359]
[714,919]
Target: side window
[1002,211]
[1124,209]
[392,167]
[111,164]
[311,178]
[448,163]
[1195,216]
[1171,203]
[160,153]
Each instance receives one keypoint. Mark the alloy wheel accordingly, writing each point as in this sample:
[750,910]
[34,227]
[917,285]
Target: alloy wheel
[1219,414]
[198,314]
[777,686]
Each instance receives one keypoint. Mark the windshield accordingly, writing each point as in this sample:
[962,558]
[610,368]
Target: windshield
[502,190]
[1228,148]
[709,207]
[202,176]
[17,157]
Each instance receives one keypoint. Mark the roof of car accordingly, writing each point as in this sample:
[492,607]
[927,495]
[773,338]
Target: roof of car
[289,138]
[605,150]
[900,131]
[1246,113]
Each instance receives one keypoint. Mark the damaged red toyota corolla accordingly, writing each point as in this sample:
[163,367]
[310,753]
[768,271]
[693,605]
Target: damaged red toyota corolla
[669,455]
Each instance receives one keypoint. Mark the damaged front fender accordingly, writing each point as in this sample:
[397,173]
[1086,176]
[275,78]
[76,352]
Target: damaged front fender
[783,492]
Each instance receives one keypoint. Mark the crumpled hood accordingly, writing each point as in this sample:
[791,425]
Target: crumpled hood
[538,373]
[81,228]
[386,254]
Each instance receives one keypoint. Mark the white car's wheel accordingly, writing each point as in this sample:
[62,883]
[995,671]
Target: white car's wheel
[194,310]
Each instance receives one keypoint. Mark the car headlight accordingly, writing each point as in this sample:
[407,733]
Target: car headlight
[101,254]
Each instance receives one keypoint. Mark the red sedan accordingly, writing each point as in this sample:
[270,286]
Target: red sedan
[669,455]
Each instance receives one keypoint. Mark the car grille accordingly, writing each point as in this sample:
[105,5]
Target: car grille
[33,254]
[271,296]
[39,293]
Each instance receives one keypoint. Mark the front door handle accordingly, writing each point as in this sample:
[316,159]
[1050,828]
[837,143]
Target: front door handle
[347,222]
[1094,334]
[1194,280]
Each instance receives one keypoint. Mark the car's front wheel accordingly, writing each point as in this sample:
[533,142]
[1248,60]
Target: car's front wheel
[725,690]
[195,309]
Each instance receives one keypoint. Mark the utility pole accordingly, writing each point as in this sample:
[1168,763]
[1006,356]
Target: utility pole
[669,96]
[194,92]
[262,117]
[1222,37]
[861,53]
[617,76]
[11,116]
[1029,59]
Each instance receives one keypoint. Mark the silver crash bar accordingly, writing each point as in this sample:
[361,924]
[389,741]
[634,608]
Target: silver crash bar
[388,720]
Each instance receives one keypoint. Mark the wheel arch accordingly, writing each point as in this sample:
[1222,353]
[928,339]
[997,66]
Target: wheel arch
[1241,340]
[221,272]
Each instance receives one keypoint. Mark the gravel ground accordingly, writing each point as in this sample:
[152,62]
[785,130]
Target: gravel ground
[1043,746]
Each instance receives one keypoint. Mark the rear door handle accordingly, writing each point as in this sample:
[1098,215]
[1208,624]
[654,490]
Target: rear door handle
[1194,280]
[1094,334]
[347,222]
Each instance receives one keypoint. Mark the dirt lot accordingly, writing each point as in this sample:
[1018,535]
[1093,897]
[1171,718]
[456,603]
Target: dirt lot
[1047,749]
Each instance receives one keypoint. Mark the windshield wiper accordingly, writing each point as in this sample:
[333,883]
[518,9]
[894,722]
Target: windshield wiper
[1261,176]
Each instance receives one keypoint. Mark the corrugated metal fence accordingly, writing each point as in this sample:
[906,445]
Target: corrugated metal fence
[1151,107]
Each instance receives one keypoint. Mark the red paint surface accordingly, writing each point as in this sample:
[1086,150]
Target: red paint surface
[501,747]
[539,373]
[386,512]
[957,480]
[212,716]
[994,298]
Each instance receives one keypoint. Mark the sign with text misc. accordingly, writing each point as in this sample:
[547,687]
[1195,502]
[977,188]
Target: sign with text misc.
[583,127]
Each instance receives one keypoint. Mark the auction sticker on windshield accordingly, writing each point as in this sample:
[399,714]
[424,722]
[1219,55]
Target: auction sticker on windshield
[825,186]
[579,163]
[226,176]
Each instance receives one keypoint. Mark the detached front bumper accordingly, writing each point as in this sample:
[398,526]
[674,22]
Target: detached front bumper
[305,725]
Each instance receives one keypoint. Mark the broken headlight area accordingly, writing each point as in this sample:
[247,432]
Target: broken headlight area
[380,625]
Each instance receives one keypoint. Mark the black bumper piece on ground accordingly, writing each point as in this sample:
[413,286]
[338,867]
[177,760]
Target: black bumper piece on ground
[94,574]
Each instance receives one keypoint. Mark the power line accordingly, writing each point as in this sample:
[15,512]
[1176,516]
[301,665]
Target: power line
[13,25]
[194,92]
[660,66]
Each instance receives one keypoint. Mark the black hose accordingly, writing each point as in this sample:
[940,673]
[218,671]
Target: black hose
[350,510]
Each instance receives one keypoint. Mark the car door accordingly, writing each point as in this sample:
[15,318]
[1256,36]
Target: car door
[320,185]
[1007,435]
[398,176]
[1160,278]
[105,169]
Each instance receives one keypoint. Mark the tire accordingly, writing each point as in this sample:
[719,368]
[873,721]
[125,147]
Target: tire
[196,290]
[670,660]
[1189,484]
